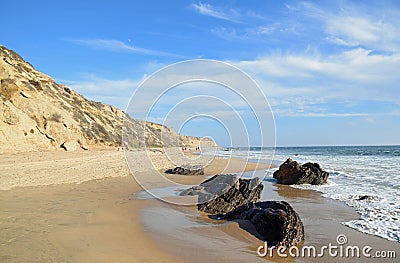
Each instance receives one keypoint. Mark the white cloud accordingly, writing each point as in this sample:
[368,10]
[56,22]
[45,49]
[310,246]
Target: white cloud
[114,92]
[257,32]
[364,68]
[238,16]
[119,46]
[295,84]
[209,10]
[373,28]
[263,30]
[225,33]
[256,15]
[290,113]
[376,34]
[304,84]
[341,25]
[92,84]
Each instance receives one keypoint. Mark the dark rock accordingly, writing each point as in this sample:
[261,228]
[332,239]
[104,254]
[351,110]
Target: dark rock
[225,192]
[271,221]
[229,197]
[291,172]
[69,145]
[186,170]
[24,94]
[36,84]
[364,197]
[67,90]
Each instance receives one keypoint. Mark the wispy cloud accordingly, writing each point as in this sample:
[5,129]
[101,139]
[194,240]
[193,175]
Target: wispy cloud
[246,33]
[110,91]
[93,84]
[370,117]
[228,33]
[355,31]
[217,12]
[359,61]
[248,24]
[374,28]
[253,14]
[119,46]
[343,26]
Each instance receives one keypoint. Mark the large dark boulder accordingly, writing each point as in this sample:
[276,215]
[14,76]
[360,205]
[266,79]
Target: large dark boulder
[274,222]
[186,170]
[225,192]
[228,197]
[291,172]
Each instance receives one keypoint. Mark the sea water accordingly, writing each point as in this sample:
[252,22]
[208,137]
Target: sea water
[354,172]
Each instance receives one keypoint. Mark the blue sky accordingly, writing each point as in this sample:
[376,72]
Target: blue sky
[330,69]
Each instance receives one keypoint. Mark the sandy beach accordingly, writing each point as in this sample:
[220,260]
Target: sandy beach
[84,206]
[78,207]
[198,131]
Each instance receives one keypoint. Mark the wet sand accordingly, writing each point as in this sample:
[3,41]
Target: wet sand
[80,208]
[196,238]
[103,220]
[90,222]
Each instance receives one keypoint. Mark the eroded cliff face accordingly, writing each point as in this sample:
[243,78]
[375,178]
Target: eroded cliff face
[37,114]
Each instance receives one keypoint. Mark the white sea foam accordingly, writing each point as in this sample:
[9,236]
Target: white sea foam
[363,173]
[372,176]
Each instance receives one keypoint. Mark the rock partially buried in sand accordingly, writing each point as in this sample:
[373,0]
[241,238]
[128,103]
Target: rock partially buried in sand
[225,192]
[291,172]
[274,222]
[186,170]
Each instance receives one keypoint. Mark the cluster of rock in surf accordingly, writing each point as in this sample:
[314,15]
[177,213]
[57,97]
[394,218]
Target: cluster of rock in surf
[225,192]
[291,172]
[228,197]
[186,170]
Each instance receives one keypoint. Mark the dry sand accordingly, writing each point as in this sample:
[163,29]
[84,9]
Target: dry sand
[47,217]
[59,167]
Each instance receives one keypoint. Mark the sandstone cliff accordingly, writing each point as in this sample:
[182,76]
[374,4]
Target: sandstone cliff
[37,114]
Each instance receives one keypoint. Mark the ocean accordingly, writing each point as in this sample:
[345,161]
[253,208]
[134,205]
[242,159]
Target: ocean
[354,171]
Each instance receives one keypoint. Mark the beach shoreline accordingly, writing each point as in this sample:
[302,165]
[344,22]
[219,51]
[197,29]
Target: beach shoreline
[98,217]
